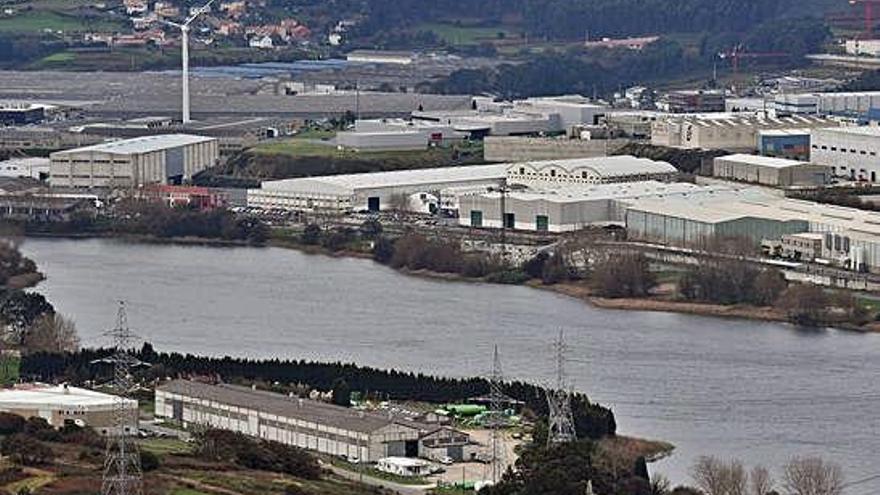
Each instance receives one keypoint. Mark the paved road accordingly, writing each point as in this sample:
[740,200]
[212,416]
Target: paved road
[388,485]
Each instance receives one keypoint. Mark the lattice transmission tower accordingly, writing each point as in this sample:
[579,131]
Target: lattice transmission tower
[497,419]
[560,424]
[122,460]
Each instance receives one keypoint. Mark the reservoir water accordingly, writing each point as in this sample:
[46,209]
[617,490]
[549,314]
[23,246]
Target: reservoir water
[760,392]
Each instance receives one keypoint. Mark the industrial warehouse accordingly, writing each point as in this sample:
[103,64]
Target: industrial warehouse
[851,151]
[160,159]
[373,191]
[778,172]
[602,170]
[60,405]
[851,236]
[308,424]
[565,209]
[728,131]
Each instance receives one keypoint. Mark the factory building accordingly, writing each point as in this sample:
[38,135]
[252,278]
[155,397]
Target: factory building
[563,209]
[862,47]
[160,159]
[694,101]
[61,405]
[632,123]
[480,123]
[793,144]
[851,237]
[732,132]
[522,117]
[13,113]
[381,57]
[383,140]
[844,104]
[851,152]
[581,171]
[371,191]
[571,110]
[524,148]
[307,424]
[777,172]
[696,222]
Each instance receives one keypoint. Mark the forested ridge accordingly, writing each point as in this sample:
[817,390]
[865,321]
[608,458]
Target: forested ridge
[572,19]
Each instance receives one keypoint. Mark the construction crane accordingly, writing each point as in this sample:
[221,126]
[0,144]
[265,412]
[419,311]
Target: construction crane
[739,52]
[869,15]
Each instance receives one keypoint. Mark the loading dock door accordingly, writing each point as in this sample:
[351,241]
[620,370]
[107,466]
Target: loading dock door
[542,223]
[373,203]
[411,448]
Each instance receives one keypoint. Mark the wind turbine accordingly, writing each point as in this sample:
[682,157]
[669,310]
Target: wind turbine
[184,34]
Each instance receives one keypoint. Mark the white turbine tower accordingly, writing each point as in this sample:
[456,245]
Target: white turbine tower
[184,35]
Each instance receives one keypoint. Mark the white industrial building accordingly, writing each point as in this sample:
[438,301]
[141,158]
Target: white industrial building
[34,168]
[370,191]
[571,110]
[870,47]
[160,159]
[851,236]
[397,135]
[555,114]
[777,172]
[728,131]
[60,405]
[581,171]
[566,208]
[528,148]
[381,57]
[848,103]
[851,152]
[383,140]
[307,424]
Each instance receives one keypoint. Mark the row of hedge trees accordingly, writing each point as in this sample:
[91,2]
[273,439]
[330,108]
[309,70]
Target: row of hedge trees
[592,420]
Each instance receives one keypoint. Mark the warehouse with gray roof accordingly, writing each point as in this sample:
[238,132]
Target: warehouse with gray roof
[304,423]
[159,159]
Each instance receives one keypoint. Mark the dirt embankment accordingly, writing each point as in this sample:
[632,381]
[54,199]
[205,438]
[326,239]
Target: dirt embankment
[660,304]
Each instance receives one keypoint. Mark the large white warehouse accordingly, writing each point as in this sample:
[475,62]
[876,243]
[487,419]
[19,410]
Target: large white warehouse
[564,209]
[851,152]
[770,171]
[371,191]
[733,132]
[161,159]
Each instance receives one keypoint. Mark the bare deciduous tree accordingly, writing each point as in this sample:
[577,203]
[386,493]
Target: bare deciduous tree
[761,482]
[716,477]
[51,333]
[812,476]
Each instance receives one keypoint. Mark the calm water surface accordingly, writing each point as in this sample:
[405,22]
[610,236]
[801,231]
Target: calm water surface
[759,392]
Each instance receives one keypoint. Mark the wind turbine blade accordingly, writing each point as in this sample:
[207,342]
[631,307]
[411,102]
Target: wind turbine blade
[201,10]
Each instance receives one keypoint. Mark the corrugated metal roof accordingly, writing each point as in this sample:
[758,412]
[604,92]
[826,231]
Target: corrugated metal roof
[606,166]
[348,183]
[763,161]
[288,407]
[54,396]
[143,144]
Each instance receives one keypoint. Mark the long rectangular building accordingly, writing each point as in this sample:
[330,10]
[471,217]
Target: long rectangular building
[777,172]
[851,236]
[370,191]
[130,163]
[304,423]
[732,131]
[564,209]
